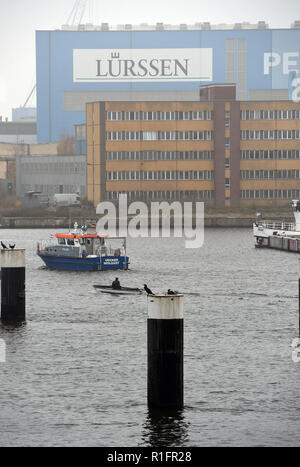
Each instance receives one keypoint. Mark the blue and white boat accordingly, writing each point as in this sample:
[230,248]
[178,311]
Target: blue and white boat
[82,250]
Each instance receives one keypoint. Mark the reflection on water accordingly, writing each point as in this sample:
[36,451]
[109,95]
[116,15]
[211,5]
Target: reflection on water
[12,327]
[165,428]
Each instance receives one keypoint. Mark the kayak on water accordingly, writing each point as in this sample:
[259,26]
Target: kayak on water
[121,291]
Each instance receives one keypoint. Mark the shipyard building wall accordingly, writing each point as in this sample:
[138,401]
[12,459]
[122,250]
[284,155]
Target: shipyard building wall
[51,174]
[74,68]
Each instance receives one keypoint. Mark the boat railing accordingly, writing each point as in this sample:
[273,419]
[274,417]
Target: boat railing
[275,225]
[108,250]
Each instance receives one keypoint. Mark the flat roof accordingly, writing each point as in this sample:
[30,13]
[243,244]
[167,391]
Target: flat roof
[161,27]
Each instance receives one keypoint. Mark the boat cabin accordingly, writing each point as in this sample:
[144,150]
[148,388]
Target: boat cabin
[88,245]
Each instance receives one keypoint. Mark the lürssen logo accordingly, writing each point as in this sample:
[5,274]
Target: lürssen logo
[94,65]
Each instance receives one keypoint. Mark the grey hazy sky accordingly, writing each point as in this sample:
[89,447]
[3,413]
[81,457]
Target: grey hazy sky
[20,18]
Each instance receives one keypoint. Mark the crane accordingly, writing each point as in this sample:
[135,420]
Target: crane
[28,98]
[77,13]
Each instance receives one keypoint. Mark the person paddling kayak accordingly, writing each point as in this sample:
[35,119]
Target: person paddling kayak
[116,284]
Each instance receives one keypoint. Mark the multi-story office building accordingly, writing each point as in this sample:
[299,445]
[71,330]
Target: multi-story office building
[224,152]
[270,152]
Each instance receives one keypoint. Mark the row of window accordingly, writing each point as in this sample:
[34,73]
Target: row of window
[270,114]
[159,115]
[281,154]
[80,132]
[53,168]
[269,134]
[198,155]
[159,135]
[199,135]
[203,195]
[159,155]
[269,174]
[270,194]
[160,175]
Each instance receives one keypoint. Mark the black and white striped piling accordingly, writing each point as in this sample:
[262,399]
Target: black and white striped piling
[13,285]
[165,351]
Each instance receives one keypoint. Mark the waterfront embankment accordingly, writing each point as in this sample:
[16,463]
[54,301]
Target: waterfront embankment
[64,222]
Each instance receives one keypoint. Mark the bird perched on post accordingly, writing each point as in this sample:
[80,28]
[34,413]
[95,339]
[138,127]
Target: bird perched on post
[12,246]
[3,245]
[170,292]
[147,290]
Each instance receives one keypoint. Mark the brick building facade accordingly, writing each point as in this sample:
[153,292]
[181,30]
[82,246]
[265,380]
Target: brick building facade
[223,152]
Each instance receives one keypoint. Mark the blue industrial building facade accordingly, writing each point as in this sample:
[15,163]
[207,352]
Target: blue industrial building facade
[262,63]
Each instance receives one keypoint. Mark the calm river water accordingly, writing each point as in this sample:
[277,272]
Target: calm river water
[76,373]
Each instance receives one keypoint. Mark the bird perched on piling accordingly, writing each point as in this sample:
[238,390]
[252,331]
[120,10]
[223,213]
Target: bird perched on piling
[147,290]
[3,246]
[12,246]
[170,292]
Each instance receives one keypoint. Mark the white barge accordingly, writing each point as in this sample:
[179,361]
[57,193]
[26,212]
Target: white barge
[279,235]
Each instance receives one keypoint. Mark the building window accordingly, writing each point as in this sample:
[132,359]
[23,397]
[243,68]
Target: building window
[184,115]
[132,135]
[183,135]
[150,116]
[167,116]
[114,136]
[198,115]
[113,116]
[150,155]
[168,135]
[168,156]
[132,116]
[150,135]
[270,194]
[80,132]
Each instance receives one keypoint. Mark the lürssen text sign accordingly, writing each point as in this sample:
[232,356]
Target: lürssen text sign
[127,65]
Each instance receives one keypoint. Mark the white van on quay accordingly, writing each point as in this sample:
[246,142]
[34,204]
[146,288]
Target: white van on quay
[66,200]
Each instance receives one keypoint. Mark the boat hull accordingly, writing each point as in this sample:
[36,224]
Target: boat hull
[277,240]
[85,264]
[280,235]
[122,291]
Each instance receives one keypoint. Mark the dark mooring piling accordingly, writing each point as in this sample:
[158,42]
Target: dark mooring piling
[13,285]
[165,351]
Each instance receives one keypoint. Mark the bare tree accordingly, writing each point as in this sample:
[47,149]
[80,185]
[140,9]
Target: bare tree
[66,145]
